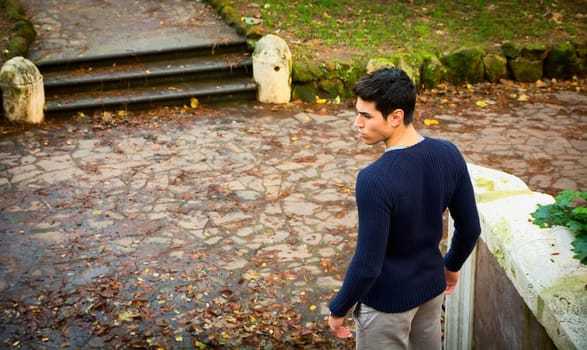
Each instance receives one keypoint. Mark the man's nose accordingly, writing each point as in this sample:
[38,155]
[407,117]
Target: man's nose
[358,121]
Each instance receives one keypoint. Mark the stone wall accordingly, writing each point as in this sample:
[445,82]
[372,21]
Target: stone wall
[518,263]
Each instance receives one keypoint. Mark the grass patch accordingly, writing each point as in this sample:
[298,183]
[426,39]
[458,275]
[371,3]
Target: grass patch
[362,28]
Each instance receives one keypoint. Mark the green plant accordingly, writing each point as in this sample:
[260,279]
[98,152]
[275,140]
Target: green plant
[568,210]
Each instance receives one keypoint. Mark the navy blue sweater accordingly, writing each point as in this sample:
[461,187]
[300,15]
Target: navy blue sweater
[401,198]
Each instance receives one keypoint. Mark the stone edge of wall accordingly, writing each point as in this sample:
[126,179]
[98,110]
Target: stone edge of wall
[523,63]
[537,261]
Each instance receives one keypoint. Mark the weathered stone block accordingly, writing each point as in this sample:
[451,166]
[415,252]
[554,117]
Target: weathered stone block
[495,67]
[333,87]
[433,72]
[561,62]
[526,70]
[305,71]
[305,92]
[465,65]
[511,50]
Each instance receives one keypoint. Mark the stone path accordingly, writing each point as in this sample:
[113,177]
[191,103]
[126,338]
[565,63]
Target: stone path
[248,204]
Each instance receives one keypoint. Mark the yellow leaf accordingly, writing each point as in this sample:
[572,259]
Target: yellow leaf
[178,338]
[430,121]
[294,138]
[127,316]
[194,103]
[312,307]
[200,345]
[482,104]
[320,100]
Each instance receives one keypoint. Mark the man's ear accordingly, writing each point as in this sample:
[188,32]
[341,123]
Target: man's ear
[396,118]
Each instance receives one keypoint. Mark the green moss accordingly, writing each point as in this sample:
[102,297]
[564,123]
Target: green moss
[25,29]
[18,46]
[305,71]
[14,10]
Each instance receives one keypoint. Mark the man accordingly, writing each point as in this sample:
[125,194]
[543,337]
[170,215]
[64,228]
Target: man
[398,277]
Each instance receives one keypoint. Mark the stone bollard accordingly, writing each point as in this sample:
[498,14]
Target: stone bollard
[272,66]
[23,95]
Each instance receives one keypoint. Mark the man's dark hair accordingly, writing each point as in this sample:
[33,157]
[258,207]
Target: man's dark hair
[390,89]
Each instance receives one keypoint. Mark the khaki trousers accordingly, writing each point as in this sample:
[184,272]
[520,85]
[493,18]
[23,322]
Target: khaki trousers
[415,329]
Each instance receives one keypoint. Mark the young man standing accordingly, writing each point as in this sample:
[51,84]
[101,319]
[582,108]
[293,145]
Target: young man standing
[397,277]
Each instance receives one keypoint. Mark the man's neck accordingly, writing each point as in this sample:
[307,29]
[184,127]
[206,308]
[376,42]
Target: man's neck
[405,136]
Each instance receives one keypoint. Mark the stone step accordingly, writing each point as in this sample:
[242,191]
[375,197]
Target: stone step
[211,72]
[207,91]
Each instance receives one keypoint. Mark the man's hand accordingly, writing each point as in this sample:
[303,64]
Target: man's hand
[451,280]
[336,326]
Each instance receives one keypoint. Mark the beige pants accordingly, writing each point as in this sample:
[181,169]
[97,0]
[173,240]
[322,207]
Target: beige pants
[415,329]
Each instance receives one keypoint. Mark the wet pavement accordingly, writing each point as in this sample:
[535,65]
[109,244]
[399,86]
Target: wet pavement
[76,28]
[230,226]
[177,221]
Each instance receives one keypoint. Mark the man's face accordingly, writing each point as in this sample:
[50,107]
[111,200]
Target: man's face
[372,127]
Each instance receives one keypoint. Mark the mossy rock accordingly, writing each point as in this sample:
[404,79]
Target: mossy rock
[561,62]
[254,32]
[433,71]
[218,5]
[534,51]
[25,29]
[465,65]
[404,62]
[348,73]
[333,87]
[511,50]
[305,71]
[496,67]
[580,47]
[230,15]
[305,92]
[526,70]
[18,46]
[14,10]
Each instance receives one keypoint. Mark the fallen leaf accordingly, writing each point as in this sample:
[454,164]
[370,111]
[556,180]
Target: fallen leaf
[430,121]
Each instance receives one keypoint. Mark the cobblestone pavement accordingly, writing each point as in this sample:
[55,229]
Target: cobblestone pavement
[246,205]
[171,227]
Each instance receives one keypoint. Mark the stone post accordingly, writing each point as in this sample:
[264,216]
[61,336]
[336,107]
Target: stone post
[272,66]
[23,94]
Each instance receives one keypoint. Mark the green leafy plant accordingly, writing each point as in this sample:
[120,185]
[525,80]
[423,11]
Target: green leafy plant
[568,210]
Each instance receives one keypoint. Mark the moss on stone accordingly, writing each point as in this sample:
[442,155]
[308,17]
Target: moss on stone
[14,10]
[561,62]
[511,50]
[333,87]
[433,71]
[496,67]
[525,70]
[18,46]
[304,71]
[305,92]
[534,51]
[465,65]
[25,29]
[230,15]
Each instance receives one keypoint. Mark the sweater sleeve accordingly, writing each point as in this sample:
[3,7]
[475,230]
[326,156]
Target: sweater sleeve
[367,262]
[463,210]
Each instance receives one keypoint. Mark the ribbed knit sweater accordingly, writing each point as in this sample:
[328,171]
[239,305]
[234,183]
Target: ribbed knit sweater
[401,198]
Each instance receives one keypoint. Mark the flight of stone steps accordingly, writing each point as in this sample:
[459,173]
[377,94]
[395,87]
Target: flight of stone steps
[209,72]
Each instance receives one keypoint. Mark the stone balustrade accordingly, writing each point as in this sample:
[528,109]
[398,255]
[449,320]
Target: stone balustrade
[537,261]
